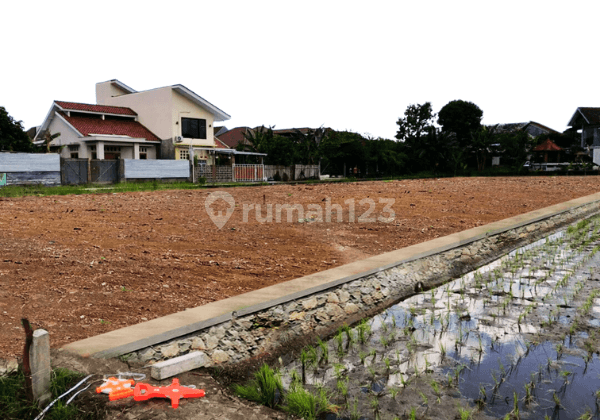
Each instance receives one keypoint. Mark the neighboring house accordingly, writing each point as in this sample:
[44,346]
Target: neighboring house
[180,118]
[237,135]
[234,136]
[97,132]
[587,122]
[547,152]
[532,128]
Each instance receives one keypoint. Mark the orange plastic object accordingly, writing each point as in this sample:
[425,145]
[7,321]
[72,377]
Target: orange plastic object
[174,392]
[119,395]
[113,384]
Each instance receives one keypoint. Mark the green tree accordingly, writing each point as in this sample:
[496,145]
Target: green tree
[515,148]
[415,122]
[308,145]
[433,151]
[461,118]
[12,136]
[482,142]
[256,140]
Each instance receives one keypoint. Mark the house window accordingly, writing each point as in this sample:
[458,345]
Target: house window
[143,153]
[75,155]
[112,149]
[73,148]
[193,128]
[184,154]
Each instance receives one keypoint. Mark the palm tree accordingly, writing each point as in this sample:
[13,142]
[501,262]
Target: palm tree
[48,138]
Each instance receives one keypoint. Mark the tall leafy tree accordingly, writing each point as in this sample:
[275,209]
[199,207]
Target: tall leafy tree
[415,122]
[12,136]
[461,118]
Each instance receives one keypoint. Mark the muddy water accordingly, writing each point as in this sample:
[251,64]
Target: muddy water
[517,337]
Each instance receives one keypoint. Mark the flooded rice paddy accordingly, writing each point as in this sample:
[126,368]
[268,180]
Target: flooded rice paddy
[517,338]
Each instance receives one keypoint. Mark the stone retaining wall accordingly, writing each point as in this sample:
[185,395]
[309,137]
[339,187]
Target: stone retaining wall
[265,330]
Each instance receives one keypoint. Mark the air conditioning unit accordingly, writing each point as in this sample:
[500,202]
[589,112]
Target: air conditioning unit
[178,139]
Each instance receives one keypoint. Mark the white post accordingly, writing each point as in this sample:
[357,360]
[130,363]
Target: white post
[39,360]
[100,150]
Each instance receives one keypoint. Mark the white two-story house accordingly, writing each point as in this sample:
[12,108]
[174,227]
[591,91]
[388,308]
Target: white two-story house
[182,119]
[164,123]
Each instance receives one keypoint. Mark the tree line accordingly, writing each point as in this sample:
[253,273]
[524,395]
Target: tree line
[452,142]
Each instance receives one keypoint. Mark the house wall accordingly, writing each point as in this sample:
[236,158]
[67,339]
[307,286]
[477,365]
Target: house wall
[152,106]
[67,137]
[185,108]
[590,132]
[150,151]
[106,90]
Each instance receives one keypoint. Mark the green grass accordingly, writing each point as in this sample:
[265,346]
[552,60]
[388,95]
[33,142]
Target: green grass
[42,191]
[266,387]
[14,404]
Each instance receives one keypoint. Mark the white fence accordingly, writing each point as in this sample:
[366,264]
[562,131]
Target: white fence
[29,162]
[29,169]
[156,169]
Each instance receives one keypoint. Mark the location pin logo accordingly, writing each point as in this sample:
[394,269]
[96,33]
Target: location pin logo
[218,218]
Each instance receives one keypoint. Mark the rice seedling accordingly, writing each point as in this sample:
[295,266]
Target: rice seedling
[442,350]
[464,413]
[529,392]
[405,382]
[436,390]
[556,400]
[515,412]
[364,330]
[362,356]
[384,341]
[339,341]
[353,411]
[265,388]
[306,405]
[324,352]
[424,398]
[413,413]
[342,387]
[374,403]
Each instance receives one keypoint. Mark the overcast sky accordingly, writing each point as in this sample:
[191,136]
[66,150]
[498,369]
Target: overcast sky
[341,64]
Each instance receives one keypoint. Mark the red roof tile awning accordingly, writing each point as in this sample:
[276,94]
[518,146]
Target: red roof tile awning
[101,109]
[547,146]
[117,127]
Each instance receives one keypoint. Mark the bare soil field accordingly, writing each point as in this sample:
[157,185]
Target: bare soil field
[87,264]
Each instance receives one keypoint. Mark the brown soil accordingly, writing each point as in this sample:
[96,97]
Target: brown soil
[83,265]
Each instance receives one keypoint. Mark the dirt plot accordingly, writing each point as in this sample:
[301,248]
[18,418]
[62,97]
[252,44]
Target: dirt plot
[83,265]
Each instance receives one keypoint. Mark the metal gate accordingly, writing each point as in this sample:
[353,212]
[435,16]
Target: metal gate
[74,171]
[104,171]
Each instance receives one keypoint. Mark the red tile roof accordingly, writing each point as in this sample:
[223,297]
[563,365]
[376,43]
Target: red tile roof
[219,144]
[101,109]
[547,146]
[118,127]
[233,137]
